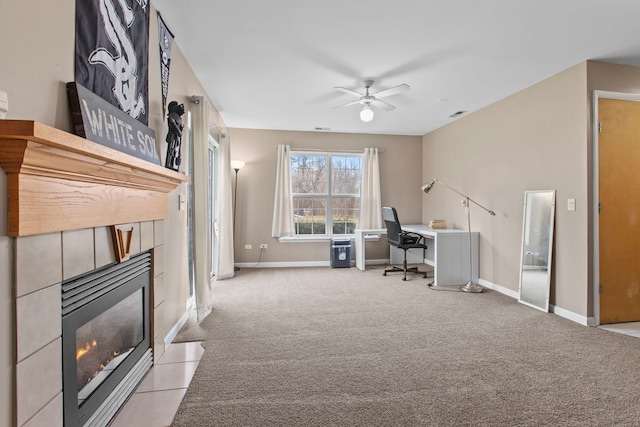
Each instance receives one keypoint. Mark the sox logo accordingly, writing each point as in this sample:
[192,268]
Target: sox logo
[124,65]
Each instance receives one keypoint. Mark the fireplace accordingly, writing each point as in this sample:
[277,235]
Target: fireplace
[64,195]
[106,346]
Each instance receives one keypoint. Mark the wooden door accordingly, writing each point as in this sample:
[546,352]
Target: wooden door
[619,218]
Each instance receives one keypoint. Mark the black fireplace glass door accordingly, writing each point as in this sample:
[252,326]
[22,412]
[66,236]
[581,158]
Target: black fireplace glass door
[106,340]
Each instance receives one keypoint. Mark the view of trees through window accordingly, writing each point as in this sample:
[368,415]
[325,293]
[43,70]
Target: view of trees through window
[326,193]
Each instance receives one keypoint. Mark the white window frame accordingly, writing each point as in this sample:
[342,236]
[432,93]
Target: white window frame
[329,197]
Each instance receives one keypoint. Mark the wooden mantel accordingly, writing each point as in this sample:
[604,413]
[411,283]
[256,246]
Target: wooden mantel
[58,181]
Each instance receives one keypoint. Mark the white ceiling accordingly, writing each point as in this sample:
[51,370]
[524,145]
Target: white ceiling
[273,64]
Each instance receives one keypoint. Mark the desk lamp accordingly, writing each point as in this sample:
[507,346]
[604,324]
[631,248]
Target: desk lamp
[470,286]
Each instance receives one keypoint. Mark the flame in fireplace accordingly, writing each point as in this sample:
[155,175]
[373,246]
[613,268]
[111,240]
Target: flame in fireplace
[102,365]
[106,363]
[85,349]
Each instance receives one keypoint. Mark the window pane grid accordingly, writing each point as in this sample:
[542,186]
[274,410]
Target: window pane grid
[326,193]
[346,174]
[309,214]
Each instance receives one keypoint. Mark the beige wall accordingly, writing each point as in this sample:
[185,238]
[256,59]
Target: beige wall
[533,140]
[37,61]
[401,178]
[539,138]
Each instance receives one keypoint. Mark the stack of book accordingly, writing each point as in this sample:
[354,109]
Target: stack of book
[438,224]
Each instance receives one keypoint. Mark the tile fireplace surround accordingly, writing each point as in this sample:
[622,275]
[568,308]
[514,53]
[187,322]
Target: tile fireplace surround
[60,234]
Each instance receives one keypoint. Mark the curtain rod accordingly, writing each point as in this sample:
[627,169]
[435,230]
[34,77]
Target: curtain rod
[331,151]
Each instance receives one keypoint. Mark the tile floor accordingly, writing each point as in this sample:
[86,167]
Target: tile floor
[630,328]
[156,400]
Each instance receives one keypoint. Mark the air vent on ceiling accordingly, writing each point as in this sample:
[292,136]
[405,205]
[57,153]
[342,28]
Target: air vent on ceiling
[322,129]
[457,113]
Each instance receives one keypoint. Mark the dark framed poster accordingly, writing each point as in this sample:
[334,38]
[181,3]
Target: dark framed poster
[112,53]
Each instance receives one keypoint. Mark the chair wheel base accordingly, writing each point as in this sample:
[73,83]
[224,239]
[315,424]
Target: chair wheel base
[412,270]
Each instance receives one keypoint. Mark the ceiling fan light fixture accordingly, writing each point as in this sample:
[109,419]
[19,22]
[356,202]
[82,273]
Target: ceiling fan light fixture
[366,115]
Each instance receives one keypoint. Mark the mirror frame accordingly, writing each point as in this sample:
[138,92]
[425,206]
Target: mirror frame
[544,307]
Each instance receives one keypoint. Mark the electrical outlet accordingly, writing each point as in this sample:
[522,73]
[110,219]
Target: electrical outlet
[263,246]
[571,204]
[248,246]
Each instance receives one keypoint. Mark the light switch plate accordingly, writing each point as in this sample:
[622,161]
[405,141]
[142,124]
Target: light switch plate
[571,204]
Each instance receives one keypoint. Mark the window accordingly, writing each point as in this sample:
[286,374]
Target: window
[326,193]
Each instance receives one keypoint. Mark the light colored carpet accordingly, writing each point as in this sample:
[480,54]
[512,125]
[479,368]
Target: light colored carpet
[342,347]
[191,331]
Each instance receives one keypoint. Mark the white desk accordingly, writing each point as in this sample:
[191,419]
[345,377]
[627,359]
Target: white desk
[447,253]
[361,237]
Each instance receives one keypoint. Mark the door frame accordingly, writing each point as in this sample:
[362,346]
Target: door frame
[597,95]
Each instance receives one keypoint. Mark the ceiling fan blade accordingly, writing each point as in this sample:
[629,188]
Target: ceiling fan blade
[349,91]
[357,101]
[381,104]
[392,91]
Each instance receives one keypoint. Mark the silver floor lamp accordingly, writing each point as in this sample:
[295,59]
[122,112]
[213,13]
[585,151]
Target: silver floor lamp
[236,165]
[470,286]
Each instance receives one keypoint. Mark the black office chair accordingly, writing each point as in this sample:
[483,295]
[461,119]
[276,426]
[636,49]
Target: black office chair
[402,240]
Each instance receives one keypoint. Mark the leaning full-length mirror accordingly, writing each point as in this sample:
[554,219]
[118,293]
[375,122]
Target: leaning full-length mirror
[537,243]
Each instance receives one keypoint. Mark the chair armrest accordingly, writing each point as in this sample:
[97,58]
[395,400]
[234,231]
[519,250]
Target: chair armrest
[419,237]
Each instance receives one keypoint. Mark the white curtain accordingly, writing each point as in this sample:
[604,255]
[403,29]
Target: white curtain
[370,200]
[201,132]
[283,203]
[200,184]
[225,236]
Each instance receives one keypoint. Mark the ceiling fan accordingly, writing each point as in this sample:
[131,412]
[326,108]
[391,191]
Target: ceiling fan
[372,99]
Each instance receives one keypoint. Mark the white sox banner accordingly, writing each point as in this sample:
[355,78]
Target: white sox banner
[112,52]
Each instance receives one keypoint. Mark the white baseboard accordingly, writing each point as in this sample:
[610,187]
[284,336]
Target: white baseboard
[506,291]
[578,318]
[570,315]
[168,339]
